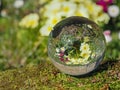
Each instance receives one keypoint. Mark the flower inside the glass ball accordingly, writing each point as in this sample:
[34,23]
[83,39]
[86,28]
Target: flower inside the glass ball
[76,41]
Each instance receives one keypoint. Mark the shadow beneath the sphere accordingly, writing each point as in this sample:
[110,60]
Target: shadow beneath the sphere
[102,67]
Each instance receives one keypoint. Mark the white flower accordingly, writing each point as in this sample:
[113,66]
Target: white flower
[107,36]
[54,20]
[113,10]
[57,50]
[4,13]
[52,9]
[102,18]
[62,49]
[18,3]
[68,62]
[85,55]
[74,61]
[45,30]
[85,51]
[84,47]
[68,9]
[96,14]
[94,9]
[83,61]
[77,61]
[30,21]
[82,11]
[60,7]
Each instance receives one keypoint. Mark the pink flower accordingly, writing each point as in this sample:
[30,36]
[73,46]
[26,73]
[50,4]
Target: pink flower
[104,4]
[62,59]
[61,54]
[108,1]
[107,35]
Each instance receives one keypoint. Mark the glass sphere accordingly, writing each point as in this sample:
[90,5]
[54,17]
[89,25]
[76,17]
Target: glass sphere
[76,45]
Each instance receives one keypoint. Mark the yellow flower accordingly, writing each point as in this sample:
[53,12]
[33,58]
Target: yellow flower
[54,21]
[82,11]
[77,61]
[30,21]
[85,51]
[85,55]
[74,61]
[51,9]
[68,62]
[102,18]
[68,9]
[45,30]
[83,61]
[62,49]
[84,47]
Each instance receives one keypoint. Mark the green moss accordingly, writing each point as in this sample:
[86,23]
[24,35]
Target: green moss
[46,76]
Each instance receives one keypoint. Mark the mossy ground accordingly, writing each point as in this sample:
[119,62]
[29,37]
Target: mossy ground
[46,77]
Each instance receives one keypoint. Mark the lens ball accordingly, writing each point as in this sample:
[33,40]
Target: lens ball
[76,45]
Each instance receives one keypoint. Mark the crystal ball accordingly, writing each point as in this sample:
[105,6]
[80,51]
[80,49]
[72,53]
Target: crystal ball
[76,45]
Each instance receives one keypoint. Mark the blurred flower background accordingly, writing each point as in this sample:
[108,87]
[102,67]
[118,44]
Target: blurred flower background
[26,24]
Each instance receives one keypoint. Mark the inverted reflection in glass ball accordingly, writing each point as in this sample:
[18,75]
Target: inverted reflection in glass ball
[76,45]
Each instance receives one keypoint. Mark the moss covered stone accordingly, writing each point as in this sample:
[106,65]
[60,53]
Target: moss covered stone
[45,76]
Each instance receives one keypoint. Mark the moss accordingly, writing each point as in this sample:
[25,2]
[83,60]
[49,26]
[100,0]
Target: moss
[46,76]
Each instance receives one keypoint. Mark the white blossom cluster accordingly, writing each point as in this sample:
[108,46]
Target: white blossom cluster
[56,10]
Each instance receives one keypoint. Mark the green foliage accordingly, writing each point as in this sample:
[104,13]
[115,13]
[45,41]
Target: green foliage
[20,46]
[113,48]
